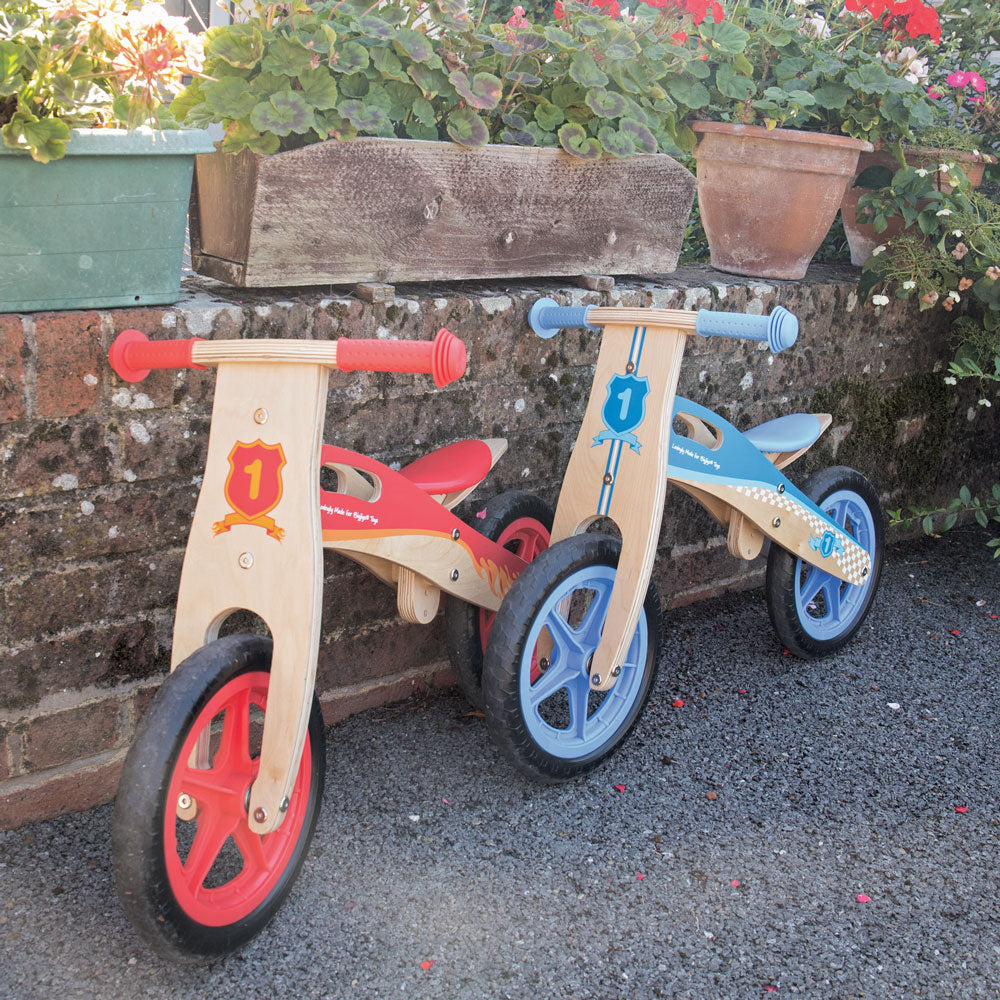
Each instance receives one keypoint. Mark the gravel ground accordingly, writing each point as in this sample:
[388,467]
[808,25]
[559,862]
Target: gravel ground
[720,854]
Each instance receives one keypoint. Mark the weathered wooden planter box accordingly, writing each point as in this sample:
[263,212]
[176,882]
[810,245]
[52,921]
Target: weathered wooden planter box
[406,210]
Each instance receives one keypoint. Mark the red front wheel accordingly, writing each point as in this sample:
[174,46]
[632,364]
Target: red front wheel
[196,882]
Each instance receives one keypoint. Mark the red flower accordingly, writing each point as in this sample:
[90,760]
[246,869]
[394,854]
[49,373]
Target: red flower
[679,37]
[558,10]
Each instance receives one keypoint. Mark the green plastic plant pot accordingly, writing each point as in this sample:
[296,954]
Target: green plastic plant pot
[103,226]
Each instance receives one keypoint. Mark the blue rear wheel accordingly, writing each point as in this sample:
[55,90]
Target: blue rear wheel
[812,611]
[540,707]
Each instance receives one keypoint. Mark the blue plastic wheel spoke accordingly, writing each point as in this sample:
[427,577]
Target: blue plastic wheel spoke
[843,601]
[554,679]
[574,728]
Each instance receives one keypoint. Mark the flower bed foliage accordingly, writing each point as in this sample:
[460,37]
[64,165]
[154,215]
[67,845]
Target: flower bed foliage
[86,63]
[294,74]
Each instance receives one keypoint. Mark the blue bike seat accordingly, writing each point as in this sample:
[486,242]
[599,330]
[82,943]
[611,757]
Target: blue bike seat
[792,432]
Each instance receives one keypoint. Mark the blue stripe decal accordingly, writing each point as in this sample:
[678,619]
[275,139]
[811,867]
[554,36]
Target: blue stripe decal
[615,451]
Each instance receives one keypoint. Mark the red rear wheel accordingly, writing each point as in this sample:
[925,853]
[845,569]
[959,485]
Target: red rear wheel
[521,522]
[194,880]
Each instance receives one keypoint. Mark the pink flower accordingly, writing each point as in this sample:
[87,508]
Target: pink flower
[863,898]
[934,93]
[517,19]
[976,99]
[957,79]
[978,83]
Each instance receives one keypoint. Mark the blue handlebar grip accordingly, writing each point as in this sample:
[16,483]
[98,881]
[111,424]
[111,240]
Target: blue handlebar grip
[779,330]
[547,317]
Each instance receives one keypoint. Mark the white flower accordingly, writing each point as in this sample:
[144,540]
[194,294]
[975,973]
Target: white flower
[943,167]
[943,211]
[954,296]
[957,232]
[920,172]
[908,285]
[985,402]
[880,300]
[878,250]
[951,380]
[815,27]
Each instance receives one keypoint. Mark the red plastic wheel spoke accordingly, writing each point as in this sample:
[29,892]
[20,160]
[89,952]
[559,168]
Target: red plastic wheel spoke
[234,746]
[251,846]
[214,829]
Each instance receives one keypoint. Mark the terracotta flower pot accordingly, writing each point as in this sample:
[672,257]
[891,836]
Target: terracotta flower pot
[860,235]
[768,197]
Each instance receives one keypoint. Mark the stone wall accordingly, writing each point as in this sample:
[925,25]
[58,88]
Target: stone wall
[98,478]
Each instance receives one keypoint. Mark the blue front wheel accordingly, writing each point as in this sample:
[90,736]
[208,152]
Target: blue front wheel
[813,612]
[540,708]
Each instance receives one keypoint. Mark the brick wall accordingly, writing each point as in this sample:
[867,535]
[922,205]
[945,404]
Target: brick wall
[98,479]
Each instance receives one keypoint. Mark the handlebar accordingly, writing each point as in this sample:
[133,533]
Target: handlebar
[133,355]
[779,330]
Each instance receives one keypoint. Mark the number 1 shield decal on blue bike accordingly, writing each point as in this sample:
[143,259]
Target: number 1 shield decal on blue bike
[623,412]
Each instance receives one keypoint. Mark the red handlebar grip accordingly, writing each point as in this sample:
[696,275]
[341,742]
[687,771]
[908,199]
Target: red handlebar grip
[444,357]
[133,355]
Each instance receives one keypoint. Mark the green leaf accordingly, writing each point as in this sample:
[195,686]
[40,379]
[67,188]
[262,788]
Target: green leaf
[423,111]
[549,116]
[562,39]
[44,138]
[228,98]
[643,140]
[869,78]
[574,139]
[981,519]
[615,143]
[466,128]
[430,81]
[417,130]
[584,70]
[481,91]
[387,63]
[565,95]
[928,525]
[351,57]
[725,35]
[965,495]
[374,27]
[523,79]
[237,44]
[366,117]
[729,84]
[241,136]
[689,93]
[517,137]
[319,88]
[605,103]
[949,522]
[832,96]
[10,64]
[414,44]
[284,113]
[286,57]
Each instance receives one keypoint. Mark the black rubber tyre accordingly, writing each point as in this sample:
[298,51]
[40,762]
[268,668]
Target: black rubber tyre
[525,519]
[814,613]
[544,718]
[172,907]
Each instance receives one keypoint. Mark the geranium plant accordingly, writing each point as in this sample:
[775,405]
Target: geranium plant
[86,63]
[856,68]
[586,80]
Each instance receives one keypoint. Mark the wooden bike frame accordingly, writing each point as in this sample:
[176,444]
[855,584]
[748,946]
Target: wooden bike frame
[262,520]
[627,451]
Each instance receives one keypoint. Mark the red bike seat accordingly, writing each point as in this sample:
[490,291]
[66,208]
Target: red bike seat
[454,467]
